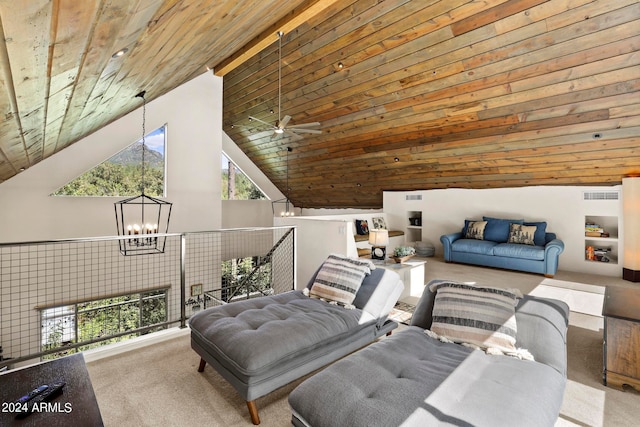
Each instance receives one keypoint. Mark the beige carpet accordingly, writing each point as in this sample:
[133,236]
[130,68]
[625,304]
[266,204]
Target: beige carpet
[158,385]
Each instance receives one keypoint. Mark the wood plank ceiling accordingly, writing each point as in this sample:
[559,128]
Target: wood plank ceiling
[440,94]
[431,94]
[59,81]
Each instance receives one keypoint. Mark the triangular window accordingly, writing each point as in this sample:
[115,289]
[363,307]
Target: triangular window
[121,175]
[236,185]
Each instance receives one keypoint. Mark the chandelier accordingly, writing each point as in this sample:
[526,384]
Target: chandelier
[286,202]
[141,218]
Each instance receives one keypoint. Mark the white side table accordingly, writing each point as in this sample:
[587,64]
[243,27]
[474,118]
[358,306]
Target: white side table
[411,272]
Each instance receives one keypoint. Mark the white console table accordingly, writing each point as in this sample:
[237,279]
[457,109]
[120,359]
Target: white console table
[411,272]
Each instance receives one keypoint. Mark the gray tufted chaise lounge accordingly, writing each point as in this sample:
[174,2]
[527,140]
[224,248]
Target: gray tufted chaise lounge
[411,379]
[261,344]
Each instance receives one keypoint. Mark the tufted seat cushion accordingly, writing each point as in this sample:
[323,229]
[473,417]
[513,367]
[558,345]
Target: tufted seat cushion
[243,335]
[410,379]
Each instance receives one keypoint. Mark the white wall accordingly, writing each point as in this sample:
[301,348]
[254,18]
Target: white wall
[193,114]
[246,213]
[562,207]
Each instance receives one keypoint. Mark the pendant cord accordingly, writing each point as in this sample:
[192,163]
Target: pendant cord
[280,34]
[144,116]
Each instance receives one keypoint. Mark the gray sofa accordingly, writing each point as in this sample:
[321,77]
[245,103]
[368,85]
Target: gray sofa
[492,249]
[411,379]
[261,344]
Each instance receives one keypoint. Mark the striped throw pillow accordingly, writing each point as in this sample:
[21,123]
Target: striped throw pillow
[340,278]
[481,316]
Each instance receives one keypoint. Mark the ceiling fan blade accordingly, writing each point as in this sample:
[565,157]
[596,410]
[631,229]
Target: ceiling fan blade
[293,135]
[305,125]
[261,121]
[259,135]
[299,130]
[283,123]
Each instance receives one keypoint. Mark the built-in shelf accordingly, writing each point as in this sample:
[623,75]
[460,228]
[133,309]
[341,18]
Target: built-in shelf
[414,226]
[602,248]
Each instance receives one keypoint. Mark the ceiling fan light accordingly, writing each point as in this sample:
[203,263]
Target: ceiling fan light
[119,53]
[279,130]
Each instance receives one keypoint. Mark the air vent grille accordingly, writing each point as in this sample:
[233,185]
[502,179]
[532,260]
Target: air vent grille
[601,195]
[408,197]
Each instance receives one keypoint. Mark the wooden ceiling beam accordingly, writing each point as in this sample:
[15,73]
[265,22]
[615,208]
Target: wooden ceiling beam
[305,12]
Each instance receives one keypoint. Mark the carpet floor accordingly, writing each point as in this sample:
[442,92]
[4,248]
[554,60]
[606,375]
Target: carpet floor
[158,384]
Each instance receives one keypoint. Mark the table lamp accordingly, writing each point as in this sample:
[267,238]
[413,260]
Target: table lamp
[378,239]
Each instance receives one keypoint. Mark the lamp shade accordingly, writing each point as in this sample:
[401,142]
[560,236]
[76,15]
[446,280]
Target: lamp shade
[631,223]
[378,237]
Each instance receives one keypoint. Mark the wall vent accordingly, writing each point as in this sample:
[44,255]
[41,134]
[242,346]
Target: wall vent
[601,195]
[408,197]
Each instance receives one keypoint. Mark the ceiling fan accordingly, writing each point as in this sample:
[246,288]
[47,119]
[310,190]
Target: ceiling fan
[282,126]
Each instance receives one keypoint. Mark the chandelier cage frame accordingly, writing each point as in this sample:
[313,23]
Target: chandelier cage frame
[142,217]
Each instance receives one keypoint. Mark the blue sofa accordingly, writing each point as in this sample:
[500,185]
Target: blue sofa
[492,248]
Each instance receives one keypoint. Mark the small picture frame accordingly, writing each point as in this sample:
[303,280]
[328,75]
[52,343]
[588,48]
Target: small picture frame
[196,289]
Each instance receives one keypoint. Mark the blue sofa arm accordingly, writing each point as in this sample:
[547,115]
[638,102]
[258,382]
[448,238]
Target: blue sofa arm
[447,240]
[552,251]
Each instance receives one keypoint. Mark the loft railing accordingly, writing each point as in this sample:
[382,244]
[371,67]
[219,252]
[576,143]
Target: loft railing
[64,296]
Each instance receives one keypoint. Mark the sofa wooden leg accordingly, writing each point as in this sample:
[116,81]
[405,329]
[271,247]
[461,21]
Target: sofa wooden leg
[548,275]
[201,366]
[253,411]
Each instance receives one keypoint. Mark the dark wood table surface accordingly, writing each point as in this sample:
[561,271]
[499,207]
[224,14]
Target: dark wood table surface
[76,406]
[622,303]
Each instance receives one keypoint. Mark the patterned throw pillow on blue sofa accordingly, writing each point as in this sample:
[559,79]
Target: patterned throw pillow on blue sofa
[539,237]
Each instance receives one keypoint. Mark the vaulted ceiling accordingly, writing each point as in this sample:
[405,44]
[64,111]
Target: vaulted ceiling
[410,94]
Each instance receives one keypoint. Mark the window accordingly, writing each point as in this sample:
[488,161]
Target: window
[101,322]
[236,185]
[121,175]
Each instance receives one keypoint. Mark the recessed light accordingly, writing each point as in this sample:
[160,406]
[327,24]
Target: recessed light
[340,65]
[119,53]
[395,159]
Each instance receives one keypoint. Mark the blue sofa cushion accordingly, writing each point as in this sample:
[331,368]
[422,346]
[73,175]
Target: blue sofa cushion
[497,229]
[515,250]
[482,247]
[541,230]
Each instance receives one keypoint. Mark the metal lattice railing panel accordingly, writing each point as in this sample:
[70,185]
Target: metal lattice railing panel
[63,295]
